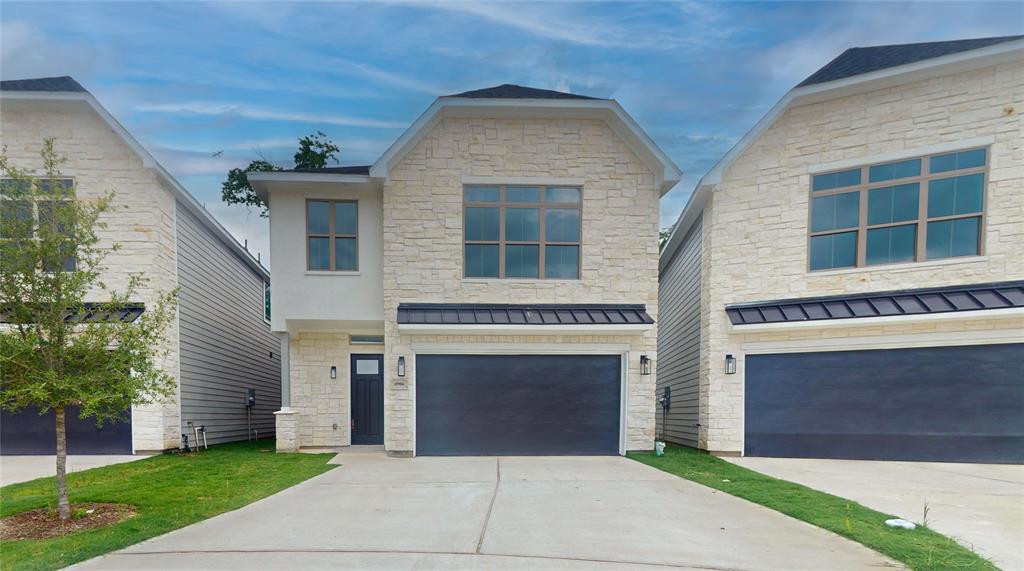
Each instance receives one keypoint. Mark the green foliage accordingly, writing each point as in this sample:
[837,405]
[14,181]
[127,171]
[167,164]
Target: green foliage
[53,261]
[237,190]
[920,548]
[314,152]
[169,492]
[663,236]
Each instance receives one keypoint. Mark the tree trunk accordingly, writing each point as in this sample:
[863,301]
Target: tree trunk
[62,464]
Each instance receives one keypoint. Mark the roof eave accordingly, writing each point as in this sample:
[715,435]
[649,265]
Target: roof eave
[988,55]
[263,181]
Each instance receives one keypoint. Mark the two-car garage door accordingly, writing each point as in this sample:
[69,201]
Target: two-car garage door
[517,404]
[944,404]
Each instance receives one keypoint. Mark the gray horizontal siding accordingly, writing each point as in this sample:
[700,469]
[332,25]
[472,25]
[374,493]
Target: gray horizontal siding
[679,340]
[226,346]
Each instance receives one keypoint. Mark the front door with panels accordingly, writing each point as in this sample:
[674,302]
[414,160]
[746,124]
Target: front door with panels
[367,399]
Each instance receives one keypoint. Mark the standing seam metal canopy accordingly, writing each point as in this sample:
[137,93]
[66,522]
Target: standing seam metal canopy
[540,314]
[1004,295]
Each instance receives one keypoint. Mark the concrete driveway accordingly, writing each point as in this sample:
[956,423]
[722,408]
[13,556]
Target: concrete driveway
[15,469]
[497,513]
[980,505]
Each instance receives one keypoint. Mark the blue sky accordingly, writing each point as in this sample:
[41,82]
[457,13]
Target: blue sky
[190,79]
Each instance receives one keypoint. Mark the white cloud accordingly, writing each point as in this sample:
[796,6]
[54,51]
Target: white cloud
[381,76]
[26,52]
[253,112]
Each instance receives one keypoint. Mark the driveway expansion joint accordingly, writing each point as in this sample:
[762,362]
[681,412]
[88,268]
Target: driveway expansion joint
[490,508]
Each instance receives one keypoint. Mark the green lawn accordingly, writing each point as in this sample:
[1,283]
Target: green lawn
[921,548]
[170,491]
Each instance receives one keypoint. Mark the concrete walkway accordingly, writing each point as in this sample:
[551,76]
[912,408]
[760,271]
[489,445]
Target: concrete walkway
[497,513]
[980,505]
[15,469]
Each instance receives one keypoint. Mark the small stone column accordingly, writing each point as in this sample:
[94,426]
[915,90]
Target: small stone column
[287,421]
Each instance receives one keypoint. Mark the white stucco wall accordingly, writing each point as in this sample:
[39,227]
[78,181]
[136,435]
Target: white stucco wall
[353,301]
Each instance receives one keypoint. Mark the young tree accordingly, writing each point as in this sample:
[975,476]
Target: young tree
[56,350]
[314,152]
[663,236]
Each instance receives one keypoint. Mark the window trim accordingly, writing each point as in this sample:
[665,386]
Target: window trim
[922,219]
[543,206]
[331,235]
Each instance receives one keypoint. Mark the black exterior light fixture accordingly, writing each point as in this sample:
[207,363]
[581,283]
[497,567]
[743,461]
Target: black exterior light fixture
[401,365]
[334,372]
[645,364]
[730,364]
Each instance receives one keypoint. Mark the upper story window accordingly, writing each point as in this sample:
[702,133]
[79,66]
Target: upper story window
[54,212]
[332,235]
[522,231]
[924,208]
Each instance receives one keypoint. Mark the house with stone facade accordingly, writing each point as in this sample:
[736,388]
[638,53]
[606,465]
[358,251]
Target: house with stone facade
[220,345]
[848,281]
[487,286]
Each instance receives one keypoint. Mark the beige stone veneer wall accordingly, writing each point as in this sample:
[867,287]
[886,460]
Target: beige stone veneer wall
[423,241]
[756,222]
[142,221]
[322,403]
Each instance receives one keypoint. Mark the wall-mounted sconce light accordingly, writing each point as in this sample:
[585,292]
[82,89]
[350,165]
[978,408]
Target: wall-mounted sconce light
[645,364]
[401,366]
[730,364]
[334,372]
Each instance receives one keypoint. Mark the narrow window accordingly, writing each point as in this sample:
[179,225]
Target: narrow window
[266,301]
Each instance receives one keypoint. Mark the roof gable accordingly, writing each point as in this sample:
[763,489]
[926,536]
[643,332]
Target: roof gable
[31,90]
[510,91]
[857,61]
[60,84]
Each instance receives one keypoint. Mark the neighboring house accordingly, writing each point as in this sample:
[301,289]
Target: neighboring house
[488,286]
[848,281]
[219,346]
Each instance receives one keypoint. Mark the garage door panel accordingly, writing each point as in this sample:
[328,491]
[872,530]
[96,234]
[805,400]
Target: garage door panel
[29,433]
[937,403]
[517,404]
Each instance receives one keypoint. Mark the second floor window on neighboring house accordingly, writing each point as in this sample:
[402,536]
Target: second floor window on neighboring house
[332,235]
[924,208]
[522,232]
[41,213]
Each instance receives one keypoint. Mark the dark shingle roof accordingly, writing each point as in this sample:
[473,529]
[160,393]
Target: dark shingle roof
[63,83]
[359,169]
[1004,295]
[857,61]
[509,91]
[537,314]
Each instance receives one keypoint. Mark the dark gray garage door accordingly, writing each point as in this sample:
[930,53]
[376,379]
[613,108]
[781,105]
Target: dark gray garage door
[944,404]
[517,404]
[28,432]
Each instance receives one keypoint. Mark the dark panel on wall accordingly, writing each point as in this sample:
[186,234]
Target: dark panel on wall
[942,404]
[517,404]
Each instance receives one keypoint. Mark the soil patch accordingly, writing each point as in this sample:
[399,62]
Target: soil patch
[45,523]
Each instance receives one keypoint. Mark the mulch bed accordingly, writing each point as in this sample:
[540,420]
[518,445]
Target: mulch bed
[45,523]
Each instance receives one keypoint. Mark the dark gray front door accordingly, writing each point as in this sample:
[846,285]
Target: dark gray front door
[942,404]
[367,399]
[517,404]
[28,432]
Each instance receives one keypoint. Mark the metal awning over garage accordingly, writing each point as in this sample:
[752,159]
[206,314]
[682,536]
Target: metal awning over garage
[902,303]
[447,318]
